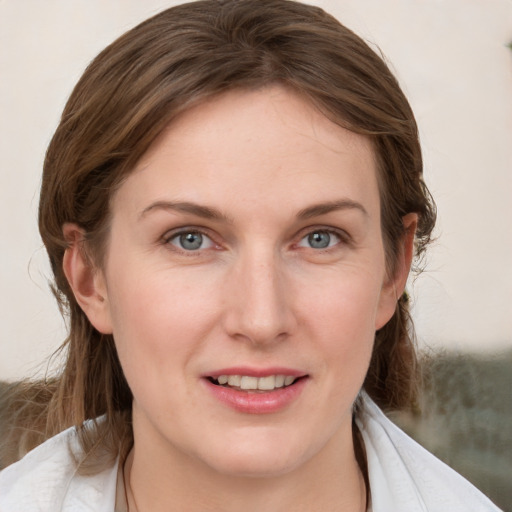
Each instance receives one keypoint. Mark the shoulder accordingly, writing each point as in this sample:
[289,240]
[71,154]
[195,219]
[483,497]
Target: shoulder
[46,480]
[404,477]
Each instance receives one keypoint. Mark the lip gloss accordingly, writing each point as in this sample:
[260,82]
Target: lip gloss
[256,401]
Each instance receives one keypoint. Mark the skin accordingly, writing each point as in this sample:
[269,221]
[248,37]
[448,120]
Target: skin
[256,293]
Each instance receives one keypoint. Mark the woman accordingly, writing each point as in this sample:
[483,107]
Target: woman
[231,205]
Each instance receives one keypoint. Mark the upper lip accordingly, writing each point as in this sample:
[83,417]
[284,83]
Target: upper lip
[256,372]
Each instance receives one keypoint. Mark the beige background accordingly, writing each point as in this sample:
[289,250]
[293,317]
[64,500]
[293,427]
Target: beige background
[452,59]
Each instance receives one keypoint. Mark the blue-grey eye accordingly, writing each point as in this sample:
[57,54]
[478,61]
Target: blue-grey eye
[319,240]
[191,241]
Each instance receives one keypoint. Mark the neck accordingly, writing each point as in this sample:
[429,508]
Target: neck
[329,484]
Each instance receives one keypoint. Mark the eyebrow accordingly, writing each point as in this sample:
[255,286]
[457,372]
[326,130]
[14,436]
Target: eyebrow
[319,209]
[198,210]
[208,212]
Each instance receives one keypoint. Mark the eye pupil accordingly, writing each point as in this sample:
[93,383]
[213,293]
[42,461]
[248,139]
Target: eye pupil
[319,240]
[191,241]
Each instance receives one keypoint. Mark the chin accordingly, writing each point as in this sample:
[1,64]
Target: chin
[257,458]
[255,467]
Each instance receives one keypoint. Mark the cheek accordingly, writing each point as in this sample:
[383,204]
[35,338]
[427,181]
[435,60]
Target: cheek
[344,304]
[159,320]
[342,323]
[339,328]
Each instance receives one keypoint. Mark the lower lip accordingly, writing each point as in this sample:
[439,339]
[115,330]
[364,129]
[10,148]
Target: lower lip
[252,402]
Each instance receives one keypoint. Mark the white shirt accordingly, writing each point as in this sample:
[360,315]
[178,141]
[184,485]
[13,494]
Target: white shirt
[403,476]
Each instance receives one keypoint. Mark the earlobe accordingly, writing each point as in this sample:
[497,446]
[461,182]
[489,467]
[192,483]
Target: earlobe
[395,286]
[86,281]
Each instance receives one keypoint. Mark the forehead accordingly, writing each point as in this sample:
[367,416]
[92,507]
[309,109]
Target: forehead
[278,107]
[268,146]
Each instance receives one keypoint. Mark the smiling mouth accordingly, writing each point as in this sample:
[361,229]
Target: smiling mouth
[255,384]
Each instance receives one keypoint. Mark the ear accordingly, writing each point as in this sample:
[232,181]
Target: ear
[395,285]
[86,281]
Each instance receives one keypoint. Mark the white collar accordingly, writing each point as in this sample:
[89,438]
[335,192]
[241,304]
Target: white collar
[404,477]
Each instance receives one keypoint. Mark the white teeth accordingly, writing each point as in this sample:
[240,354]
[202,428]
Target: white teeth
[267,383]
[280,381]
[254,383]
[288,380]
[249,382]
[223,379]
[234,380]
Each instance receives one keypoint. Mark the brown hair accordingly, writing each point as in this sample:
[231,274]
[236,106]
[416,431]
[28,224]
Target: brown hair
[134,89]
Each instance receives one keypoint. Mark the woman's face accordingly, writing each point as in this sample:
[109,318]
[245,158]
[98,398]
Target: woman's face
[246,252]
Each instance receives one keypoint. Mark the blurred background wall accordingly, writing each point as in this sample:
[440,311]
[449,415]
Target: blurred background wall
[453,60]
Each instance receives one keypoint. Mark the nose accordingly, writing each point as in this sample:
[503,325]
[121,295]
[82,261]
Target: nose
[260,299]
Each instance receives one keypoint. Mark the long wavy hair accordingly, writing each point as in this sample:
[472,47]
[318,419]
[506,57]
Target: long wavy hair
[128,94]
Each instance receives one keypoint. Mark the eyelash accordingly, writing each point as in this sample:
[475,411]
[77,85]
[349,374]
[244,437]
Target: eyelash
[342,236]
[170,236]
[344,239]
